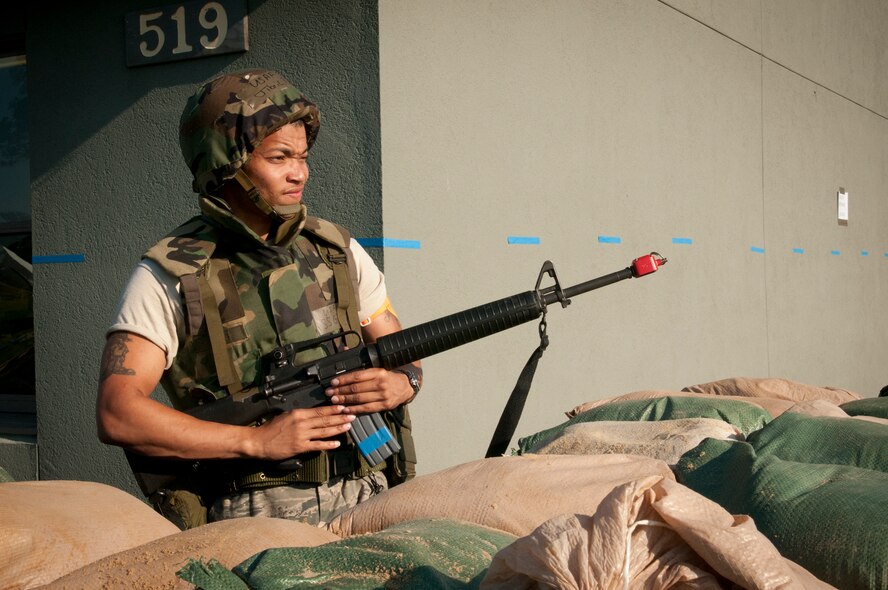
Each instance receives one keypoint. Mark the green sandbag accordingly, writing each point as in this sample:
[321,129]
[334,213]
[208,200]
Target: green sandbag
[745,416]
[870,406]
[430,554]
[830,519]
[821,439]
[210,576]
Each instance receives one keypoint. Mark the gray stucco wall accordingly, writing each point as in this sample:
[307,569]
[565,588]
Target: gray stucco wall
[108,179]
[729,125]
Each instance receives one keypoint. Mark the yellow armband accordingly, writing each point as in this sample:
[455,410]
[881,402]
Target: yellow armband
[386,307]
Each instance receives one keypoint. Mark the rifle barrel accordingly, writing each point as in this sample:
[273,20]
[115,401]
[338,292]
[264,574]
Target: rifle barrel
[604,281]
[423,340]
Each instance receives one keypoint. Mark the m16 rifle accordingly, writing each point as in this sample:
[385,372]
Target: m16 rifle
[288,386]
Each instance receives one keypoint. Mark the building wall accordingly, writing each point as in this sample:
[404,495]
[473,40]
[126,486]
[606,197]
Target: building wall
[108,179]
[714,132]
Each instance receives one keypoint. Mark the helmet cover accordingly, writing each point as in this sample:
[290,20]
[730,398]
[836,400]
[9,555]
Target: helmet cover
[228,117]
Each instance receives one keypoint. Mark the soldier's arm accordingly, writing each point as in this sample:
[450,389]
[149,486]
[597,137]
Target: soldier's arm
[127,416]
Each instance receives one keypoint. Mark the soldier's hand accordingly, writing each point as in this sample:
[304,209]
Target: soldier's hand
[301,431]
[370,390]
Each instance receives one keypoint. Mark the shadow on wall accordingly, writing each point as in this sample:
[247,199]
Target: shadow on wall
[79,86]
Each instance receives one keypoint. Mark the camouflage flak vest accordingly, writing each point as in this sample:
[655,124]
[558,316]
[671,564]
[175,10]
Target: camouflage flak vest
[243,297]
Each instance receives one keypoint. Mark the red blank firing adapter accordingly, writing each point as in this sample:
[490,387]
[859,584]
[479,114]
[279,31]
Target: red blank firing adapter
[645,265]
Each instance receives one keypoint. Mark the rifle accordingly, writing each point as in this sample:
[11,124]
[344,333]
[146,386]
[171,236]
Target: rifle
[288,386]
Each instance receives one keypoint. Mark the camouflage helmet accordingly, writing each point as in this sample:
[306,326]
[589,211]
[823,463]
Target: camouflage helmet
[228,117]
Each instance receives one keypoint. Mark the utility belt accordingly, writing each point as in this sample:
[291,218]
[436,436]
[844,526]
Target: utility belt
[318,469]
[185,504]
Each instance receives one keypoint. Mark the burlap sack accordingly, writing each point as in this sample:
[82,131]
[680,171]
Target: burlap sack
[153,566]
[775,388]
[650,533]
[666,440]
[51,528]
[512,494]
[773,406]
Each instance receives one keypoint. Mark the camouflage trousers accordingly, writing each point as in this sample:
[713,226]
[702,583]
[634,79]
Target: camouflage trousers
[310,503]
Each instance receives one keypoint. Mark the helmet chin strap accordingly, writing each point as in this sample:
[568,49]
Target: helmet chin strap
[278,213]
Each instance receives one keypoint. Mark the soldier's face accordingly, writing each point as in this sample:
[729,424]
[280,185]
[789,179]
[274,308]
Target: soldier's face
[279,166]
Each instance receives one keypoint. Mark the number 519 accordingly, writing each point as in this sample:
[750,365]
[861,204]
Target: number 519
[211,17]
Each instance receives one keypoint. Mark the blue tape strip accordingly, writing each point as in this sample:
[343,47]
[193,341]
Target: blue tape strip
[758,250]
[864,253]
[388,243]
[682,241]
[57,259]
[374,441]
[609,239]
[834,252]
[798,250]
[523,240]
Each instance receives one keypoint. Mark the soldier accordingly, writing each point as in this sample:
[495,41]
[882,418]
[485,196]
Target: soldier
[252,272]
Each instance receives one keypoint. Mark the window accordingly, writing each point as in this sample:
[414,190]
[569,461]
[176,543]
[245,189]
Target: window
[17,407]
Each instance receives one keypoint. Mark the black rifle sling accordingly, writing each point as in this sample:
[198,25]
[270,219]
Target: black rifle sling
[508,421]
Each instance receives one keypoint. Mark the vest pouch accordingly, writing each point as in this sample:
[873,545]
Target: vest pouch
[183,508]
[401,467]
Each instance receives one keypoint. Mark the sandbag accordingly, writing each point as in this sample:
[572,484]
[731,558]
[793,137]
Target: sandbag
[876,407]
[830,519]
[154,565]
[775,388]
[746,417]
[676,539]
[51,528]
[666,440]
[817,407]
[773,406]
[824,439]
[511,494]
[434,554]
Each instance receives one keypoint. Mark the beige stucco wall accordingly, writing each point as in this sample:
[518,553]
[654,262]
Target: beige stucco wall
[729,123]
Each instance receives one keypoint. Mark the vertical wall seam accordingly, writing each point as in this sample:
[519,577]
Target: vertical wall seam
[764,200]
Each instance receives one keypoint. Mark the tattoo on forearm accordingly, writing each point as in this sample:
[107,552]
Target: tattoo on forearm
[114,356]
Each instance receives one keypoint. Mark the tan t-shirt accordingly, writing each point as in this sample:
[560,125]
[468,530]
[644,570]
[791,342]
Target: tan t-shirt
[151,303]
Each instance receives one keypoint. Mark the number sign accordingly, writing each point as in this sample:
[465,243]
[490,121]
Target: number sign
[185,31]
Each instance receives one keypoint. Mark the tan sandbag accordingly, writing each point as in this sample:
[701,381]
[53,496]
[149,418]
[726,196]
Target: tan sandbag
[511,494]
[875,419]
[674,538]
[775,388]
[818,407]
[773,406]
[51,528]
[666,440]
[153,566]
[821,407]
